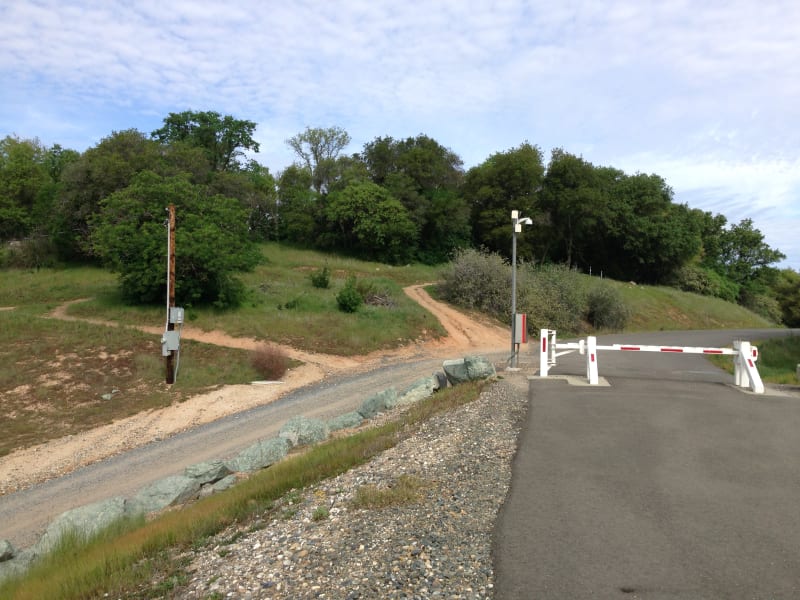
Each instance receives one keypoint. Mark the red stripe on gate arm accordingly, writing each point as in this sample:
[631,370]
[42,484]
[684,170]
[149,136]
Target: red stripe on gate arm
[712,351]
[671,350]
[629,348]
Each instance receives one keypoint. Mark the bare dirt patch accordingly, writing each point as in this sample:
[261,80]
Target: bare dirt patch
[28,466]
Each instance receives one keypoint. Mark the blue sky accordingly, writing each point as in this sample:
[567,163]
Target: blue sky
[705,93]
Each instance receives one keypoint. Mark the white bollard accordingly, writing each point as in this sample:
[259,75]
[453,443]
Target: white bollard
[591,360]
[543,353]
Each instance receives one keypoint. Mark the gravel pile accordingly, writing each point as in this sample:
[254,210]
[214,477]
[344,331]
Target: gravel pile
[322,545]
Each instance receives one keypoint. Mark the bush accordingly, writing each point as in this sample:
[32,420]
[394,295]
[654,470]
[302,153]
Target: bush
[553,296]
[270,362]
[349,299]
[321,279]
[480,280]
[606,308]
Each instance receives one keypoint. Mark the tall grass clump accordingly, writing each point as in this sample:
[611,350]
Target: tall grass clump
[270,362]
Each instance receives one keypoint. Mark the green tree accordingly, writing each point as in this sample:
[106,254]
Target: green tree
[574,197]
[318,148]
[211,240]
[299,207]
[223,139]
[787,291]
[504,182]
[744,255]
[645,235]
[368,221]
[106,168]
[426,177]
[24,183]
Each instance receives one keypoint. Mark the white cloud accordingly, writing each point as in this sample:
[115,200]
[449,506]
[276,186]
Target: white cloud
[715,84]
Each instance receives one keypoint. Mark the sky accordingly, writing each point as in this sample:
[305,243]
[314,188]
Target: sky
[704,93]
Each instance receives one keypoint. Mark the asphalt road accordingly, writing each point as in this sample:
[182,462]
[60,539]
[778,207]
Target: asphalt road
[669,483]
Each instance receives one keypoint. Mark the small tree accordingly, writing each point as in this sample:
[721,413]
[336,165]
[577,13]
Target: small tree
[211,241]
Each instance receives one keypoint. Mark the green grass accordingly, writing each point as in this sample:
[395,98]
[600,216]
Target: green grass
[145,558]
[777,360]
[657,308]
[54,374]
[284,307]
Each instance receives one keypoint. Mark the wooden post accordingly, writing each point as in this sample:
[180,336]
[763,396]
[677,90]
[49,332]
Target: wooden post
[170,358]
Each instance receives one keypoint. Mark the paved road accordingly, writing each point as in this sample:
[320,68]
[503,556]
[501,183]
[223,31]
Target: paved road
[670,483]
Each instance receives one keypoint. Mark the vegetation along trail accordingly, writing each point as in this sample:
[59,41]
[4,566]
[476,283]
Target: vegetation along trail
[119,458]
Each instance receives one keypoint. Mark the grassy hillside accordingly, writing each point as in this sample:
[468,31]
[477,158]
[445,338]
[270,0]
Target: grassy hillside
[55,374]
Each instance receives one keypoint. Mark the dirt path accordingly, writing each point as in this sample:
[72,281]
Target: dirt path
[28,466]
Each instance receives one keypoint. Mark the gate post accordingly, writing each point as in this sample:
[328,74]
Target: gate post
[543,353]
[744,369]
[591,360]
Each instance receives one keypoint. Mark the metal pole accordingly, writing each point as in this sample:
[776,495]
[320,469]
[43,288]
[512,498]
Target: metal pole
[170,358]
[514,290]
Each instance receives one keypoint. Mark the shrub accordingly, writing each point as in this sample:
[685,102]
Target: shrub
[348,298]
[322,278]
[373,293]
[478,279]
[553,296]
[606,309]
[270,362]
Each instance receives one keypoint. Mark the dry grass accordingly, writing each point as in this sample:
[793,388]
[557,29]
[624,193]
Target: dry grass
[270,362]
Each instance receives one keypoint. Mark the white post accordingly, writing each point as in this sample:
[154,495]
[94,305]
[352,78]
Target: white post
[591,360]
[747,374]
[543,353]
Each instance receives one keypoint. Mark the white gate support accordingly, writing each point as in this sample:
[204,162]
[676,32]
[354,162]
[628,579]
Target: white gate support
[744,357]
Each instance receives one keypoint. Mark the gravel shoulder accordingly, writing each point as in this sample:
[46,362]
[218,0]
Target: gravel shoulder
[439,546]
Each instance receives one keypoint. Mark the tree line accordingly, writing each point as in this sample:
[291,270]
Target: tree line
[394,201]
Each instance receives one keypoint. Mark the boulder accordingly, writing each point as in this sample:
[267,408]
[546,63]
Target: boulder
[17,565]
[84,521]
[170,491]
[6,550]
[385,400]
[479,367]
[260,455]
[225,483]
[207,472]
[345,421]
[302,431]
[469,368]
[422,388]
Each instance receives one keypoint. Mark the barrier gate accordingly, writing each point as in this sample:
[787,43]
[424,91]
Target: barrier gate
[744,357]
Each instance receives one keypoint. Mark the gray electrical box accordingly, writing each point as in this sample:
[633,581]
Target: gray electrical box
[176,315]
[170,341]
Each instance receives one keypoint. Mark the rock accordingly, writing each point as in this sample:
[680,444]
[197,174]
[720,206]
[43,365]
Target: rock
[207,472]
[84,521]
[6,550]
[479,367]
[17,565]
[170,491]
[260,455]
[345,421]
[387,399]
[302,431]
[469,368]
[455,370]
[225,483]
[422,388]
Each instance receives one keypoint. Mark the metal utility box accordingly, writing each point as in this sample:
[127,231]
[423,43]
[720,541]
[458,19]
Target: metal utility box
[520,328]
[170,341]
[176,315]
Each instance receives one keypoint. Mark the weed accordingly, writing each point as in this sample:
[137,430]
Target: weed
[321,279]
[349,298]
[270,362]
[406,489]
[320,513]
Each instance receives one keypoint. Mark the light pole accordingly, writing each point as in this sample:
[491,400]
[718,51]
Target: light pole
[517,224]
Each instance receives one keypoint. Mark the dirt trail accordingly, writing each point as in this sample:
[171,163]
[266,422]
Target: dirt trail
[28,466]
